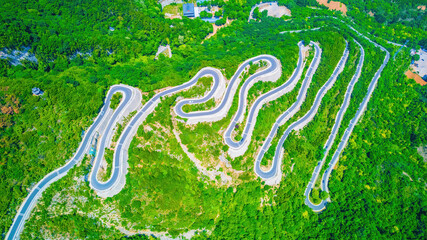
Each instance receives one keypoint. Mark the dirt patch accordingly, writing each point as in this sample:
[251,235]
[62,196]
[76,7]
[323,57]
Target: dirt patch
[165,50]
[332,5]
[216,28]
[422,150]
[416,77]
[170,16]
[273,10]
[212,174]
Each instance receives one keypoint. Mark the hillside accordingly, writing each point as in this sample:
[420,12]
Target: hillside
[207,175]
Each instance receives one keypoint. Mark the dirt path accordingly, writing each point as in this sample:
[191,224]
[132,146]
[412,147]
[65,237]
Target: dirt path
[332,5]
[216,28]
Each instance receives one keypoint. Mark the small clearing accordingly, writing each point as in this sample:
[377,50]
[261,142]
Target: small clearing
[165,50]
[173,11]
[274,10]
[416,77]
[333,5]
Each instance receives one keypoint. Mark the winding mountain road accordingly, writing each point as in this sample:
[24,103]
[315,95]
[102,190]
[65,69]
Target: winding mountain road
[331,138]
[105,113]
[271,95]
[271,73]
[108,118]
[353,121]
[273,175]
[344,140]
[275,171]
[237,148]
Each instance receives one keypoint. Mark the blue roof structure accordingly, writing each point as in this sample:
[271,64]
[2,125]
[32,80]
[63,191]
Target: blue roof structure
[188,9]
[210,20]
[92,151]
[36,91]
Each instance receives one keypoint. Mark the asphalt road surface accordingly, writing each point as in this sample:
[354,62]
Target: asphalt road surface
[275,166]
[353,121]
[258,102]
[229,91]
[28,204]
[344,140]
[331,138]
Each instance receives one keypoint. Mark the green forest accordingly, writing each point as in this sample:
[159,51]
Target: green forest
[378,189]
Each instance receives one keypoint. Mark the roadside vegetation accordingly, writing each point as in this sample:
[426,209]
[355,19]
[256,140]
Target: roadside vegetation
[202,88]
[115,100]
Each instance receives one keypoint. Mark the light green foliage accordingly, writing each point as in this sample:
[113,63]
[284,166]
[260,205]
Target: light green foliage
[401,16]
[164,183]
[203,86]
[108,155]
[115,100]
[173,9]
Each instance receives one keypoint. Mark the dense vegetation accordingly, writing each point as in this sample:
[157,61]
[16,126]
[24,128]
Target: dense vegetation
[408,13]
[61,32]
[391,19]
[377,191]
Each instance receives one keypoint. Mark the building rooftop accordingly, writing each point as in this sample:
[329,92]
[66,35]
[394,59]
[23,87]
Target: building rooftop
[188,9]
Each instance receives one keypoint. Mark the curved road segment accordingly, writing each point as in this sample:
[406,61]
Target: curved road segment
[331,139]
[271,73]
[108,118]
[344,140]
[28,204]
[237,148]
[273,175]
[353,121]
